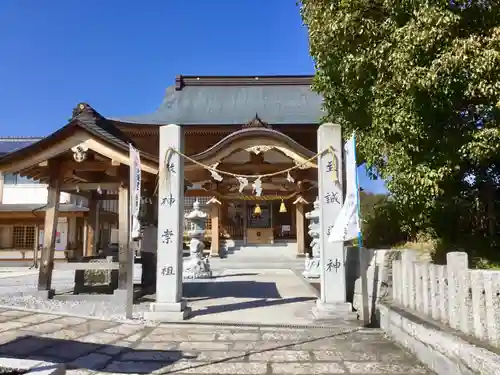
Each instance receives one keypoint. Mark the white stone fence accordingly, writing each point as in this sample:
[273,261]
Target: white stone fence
[466,300]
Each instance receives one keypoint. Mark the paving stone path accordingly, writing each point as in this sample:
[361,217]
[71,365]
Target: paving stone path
[90,346]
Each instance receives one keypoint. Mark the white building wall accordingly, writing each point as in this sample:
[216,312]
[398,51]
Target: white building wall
[30,194]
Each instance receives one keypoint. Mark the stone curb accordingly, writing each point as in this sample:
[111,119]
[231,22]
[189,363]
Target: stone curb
[438,348]
[348,329]
[34,367]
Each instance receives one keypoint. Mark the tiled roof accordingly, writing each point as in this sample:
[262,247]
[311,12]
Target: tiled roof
[234,100]
[10,144]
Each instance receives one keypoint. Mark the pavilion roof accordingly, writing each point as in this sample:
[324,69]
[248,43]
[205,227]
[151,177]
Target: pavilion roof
[209,100]
[11,144]
[85,119]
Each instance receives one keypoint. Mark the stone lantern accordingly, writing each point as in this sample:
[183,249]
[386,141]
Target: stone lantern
[197,266]
[312,264]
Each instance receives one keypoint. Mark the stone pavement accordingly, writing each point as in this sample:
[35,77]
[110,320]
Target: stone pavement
[90,346]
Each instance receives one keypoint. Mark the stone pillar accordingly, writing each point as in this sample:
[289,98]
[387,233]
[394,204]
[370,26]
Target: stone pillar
[169,305]
[196,267]
[312,264]
[332,302]
[215,219]
[50,228]
[299,226]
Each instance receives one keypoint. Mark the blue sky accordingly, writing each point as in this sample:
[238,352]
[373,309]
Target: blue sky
[120,55]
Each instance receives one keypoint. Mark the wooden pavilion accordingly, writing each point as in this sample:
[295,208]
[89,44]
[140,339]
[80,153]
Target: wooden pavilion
[242,125]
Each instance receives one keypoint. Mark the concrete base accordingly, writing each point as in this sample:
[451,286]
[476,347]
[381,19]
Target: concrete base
[443,349]
[331,311]
[168,312]
[122,295]
[87,297]
[197,275]
[33,366]
[44,294]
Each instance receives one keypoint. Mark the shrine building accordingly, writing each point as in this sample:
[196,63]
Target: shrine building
[242,126]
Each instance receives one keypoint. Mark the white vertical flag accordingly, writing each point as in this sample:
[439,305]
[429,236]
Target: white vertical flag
[347,225]
[135,192]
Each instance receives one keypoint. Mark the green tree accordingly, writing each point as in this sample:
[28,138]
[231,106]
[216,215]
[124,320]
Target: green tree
[380,221]
[419,82]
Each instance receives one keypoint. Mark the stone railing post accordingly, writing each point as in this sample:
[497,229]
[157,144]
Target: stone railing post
[397,290]
[426,295]
[311,266]
[197,267]
[417,269]
[478,303]
[408,257]
[434,292]
[491,280]
[442,292]
[458,290]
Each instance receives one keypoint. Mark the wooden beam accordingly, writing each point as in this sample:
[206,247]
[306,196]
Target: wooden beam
[122,157]
[91,186]
[198,193]
[254,168]
[87,165]
[50,228]
[21,215]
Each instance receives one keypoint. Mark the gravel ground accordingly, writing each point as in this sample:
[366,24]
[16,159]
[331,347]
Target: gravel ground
[17,292]
[96,309]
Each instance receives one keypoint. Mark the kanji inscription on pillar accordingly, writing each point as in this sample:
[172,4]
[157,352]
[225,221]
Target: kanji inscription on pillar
[170,215]
[167,236]
[167,271]
[333,284]
[168,201]
[333,265]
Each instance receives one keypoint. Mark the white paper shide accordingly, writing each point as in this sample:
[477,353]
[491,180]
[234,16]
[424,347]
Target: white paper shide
[135,191]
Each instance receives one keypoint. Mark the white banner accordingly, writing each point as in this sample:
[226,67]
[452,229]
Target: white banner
[135,192]
[347,225]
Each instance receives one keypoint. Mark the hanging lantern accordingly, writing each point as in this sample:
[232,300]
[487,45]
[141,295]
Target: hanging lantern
[282,207]
[257,210]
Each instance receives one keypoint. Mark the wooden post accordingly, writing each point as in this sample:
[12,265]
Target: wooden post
[215,218]
[50,228]
[1,186]
[123,236]
[91,248]
[300,225]
[245,222]
[71,248]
